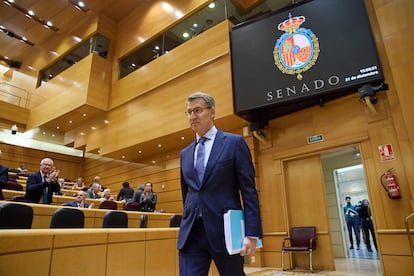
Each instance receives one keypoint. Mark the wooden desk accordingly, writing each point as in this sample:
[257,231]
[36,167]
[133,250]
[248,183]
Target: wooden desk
[42,215]
[59,200]
[89,252]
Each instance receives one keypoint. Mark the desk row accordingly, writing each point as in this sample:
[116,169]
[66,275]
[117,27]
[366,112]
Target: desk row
[93,218]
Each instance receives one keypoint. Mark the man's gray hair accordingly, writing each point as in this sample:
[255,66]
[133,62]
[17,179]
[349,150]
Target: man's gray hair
[200,95]
[46,159]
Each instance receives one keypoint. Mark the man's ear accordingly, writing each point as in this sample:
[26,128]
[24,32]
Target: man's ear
[213,113]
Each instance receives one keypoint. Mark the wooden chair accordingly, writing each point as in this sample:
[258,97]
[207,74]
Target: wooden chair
[301,240]
[14,186]
[175,220]
[115,219]
[15,216]
[67,218]
[108,204]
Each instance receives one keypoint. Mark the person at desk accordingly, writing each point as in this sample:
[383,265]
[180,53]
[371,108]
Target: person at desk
[21,168]
[4,177]
[94,191]
[41,185]
[79,184]
[107,195]
[79,201]
[61,182]
[138,193]
[217,174]
[148,198]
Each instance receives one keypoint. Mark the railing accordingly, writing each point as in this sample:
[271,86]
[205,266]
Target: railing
[14,95]
[407,228]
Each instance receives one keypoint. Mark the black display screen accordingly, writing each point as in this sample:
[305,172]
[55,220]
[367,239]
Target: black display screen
[293,58]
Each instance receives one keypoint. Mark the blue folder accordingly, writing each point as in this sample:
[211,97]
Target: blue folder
[234,231]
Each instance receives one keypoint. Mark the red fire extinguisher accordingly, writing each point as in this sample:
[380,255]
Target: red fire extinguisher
[389,182]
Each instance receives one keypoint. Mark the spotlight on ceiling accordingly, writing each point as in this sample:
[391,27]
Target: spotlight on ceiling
[80,5]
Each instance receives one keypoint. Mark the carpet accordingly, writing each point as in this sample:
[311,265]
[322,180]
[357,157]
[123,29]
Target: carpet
[274,272]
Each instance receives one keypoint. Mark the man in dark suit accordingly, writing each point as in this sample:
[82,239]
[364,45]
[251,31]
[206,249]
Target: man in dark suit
[41,185]
[228,172]
[4,177]
[79,201]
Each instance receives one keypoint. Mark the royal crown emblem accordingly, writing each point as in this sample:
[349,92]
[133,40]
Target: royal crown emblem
[297,50]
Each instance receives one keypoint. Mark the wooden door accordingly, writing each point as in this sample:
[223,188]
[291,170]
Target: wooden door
[306,206]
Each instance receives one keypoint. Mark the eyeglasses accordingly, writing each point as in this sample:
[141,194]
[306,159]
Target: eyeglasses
[196,111]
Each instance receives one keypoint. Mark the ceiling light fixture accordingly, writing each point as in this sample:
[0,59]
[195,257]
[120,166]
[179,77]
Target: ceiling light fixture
[80,5]
[16,36]
[29,13]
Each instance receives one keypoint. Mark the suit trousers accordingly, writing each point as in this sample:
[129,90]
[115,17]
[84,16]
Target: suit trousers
[195,258]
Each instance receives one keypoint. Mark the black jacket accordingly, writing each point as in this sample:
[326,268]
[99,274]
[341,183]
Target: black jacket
[35,185]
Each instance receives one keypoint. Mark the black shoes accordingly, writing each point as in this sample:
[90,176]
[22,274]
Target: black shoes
[352,247]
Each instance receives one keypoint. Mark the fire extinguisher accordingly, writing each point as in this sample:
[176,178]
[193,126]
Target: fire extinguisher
[390,185]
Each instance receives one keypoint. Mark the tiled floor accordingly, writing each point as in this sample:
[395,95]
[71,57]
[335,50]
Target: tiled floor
[343,266]
[359,262]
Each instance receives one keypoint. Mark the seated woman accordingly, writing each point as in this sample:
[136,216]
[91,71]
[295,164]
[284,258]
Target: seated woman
[107,195]
[148,198]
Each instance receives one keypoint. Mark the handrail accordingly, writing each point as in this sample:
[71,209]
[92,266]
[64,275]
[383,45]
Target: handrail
[21,96]
[409,233]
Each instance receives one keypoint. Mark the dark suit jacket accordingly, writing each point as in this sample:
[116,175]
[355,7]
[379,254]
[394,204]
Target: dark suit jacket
[75,204]
[4,177]
[34,188]
[228,173]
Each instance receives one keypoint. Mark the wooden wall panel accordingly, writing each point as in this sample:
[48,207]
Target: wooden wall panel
[70,166]
[99,83]
[12,113]
[60,42]
[165,179]
[148,20]
[165,106]
[62,88]
[197,52]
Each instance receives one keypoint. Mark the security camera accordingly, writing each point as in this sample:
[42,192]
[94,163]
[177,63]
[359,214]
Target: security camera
[14,129]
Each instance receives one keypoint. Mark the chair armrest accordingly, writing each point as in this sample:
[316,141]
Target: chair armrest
[311,242]
[284,241]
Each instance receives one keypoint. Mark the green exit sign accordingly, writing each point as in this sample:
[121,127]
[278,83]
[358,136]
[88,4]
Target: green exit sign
[315,139]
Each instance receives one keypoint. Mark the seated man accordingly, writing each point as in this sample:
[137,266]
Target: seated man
[41,185]
[79,201]
[94,191]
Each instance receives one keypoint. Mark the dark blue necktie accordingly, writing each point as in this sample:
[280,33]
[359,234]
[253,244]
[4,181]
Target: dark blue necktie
[200,158]
[45,192]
